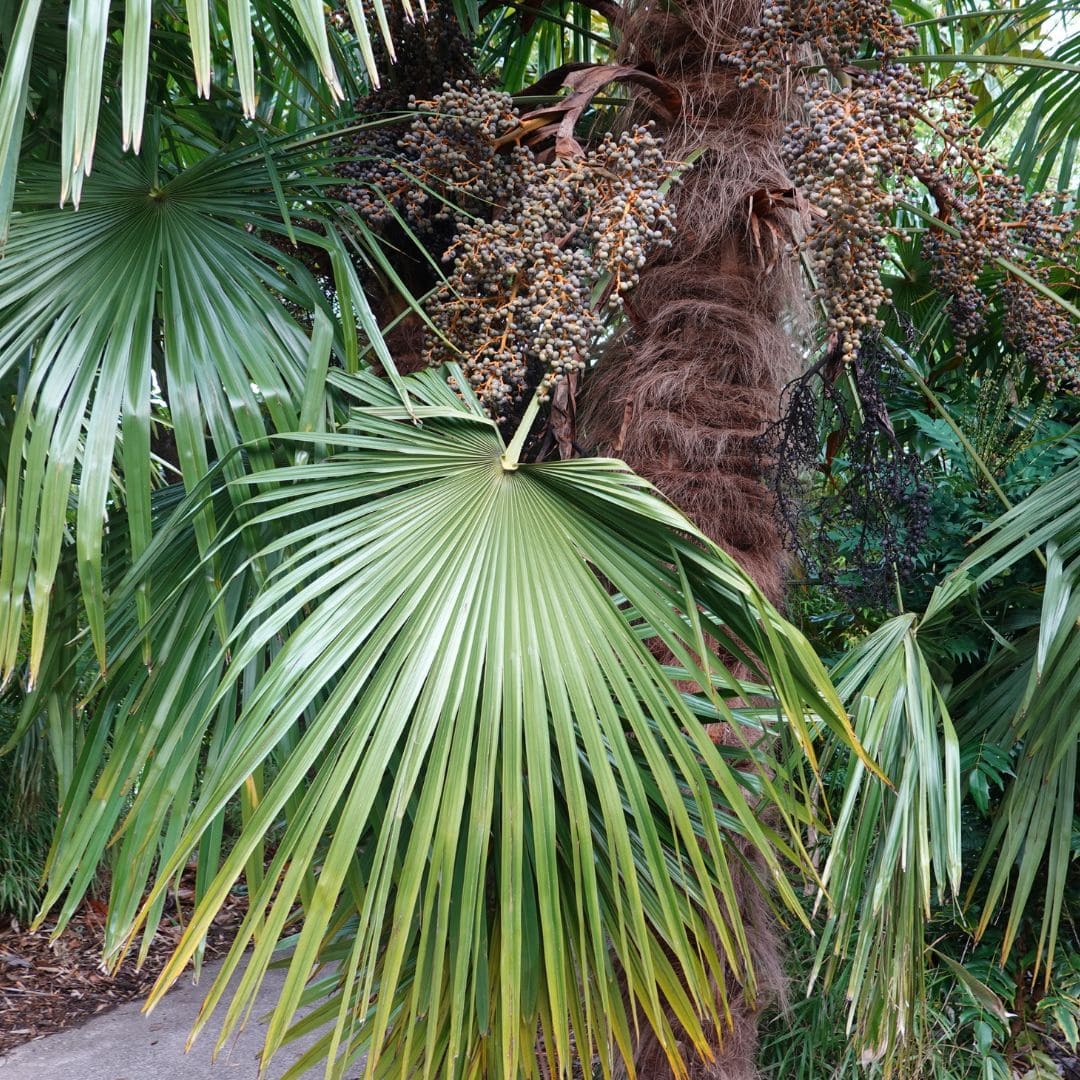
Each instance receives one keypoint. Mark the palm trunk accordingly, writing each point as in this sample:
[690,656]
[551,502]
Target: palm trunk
[683,396]
[735,1046]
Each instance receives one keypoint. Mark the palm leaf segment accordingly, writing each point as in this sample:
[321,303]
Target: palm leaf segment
[891,848]
[444,670]
[1032,697]
[88,32]
[162,274]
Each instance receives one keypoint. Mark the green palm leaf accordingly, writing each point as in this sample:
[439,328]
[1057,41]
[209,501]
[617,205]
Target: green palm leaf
[1040,680]
[161,275]
[91,23]
[495,803]
[892,846]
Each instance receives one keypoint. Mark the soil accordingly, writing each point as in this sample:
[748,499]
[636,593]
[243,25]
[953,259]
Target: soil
[48,985]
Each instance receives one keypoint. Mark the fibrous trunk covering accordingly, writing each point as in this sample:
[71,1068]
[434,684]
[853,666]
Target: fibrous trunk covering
[683,396]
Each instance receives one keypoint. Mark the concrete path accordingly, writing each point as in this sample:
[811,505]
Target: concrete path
[125,1044]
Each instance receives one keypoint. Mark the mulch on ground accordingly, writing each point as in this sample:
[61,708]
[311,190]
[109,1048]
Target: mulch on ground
[46,986]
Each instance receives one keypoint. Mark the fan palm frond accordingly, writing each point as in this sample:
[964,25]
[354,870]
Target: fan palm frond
[165,280]
[90,23]
[495,803]
[1040,684]
[892,846]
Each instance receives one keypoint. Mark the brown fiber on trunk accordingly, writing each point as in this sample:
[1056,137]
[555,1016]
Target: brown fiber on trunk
[683,395]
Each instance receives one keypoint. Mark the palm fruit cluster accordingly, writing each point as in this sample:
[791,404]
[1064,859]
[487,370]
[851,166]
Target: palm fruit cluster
[1039,330]
[996,218]
[872,518]
[792,32]
[515,312]
[860,147]
[537,251]
[848,154]
[849,147]
[372,182]
[429,54]
[452,153]
[867,137]
[446,164]
[524,300]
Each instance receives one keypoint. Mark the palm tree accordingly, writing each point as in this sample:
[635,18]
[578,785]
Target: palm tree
[684,396]
[686,393]
[421,663]
[418,664]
